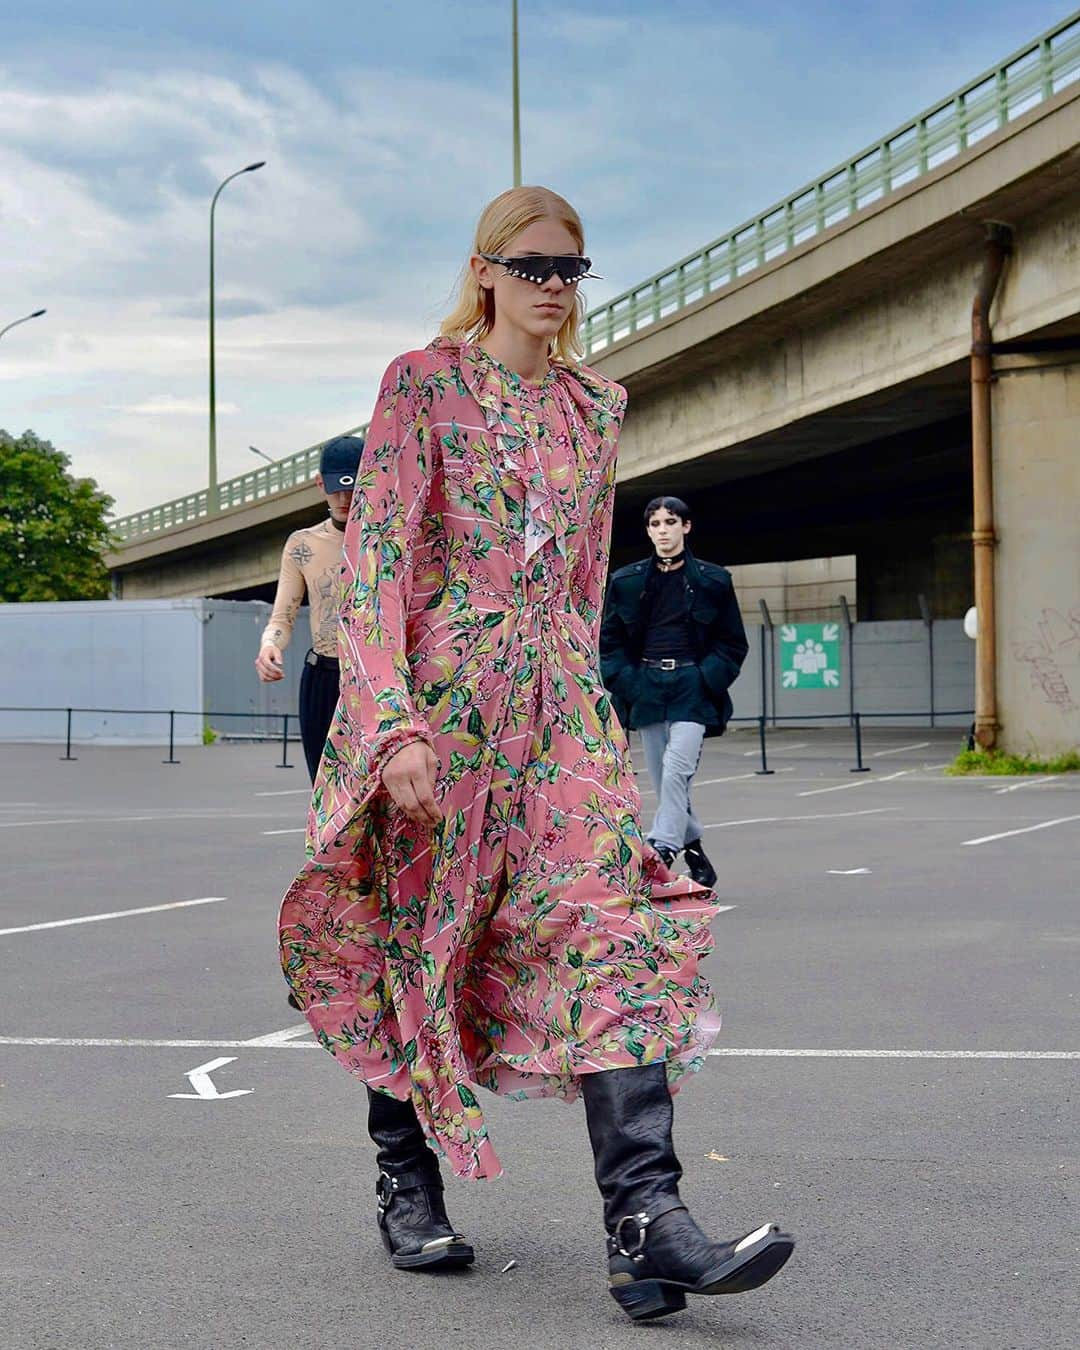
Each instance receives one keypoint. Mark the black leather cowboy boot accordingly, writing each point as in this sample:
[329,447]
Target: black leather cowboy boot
[656,1252]
[411,1214]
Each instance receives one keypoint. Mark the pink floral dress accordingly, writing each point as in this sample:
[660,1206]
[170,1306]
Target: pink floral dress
[533,936]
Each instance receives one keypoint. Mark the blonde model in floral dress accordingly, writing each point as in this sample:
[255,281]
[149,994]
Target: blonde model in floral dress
[479,908]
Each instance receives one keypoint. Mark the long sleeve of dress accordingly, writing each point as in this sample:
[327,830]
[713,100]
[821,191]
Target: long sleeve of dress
[389,501]
[287,600]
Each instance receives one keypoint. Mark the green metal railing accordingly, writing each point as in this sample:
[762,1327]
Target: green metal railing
[292,471]
[1023,80]
[1028,77]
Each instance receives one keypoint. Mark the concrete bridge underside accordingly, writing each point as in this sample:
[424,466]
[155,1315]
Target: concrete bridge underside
[821,406]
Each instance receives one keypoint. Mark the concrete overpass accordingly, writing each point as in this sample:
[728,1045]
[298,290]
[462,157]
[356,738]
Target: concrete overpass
[806,382]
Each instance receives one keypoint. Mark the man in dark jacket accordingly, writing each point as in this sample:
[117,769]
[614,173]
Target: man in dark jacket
[671,644]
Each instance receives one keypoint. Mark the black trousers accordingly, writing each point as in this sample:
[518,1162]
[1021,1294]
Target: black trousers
[318,699]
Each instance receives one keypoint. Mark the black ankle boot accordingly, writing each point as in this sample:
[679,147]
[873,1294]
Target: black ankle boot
[411,1214]
[701,869]
[656,1252]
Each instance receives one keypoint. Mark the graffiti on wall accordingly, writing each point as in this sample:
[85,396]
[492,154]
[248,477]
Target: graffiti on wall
[1052,656]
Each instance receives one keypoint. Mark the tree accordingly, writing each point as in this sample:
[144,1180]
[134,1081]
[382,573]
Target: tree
[53,530]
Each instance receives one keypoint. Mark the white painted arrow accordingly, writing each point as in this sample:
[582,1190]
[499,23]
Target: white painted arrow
[788,633]
[791,679]
[832,678]
[201,1081]
[830,632]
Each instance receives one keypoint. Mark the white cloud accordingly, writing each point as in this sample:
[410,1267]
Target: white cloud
[168,404]
[666,124]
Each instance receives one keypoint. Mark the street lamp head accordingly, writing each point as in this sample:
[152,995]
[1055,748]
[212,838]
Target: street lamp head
[37,314]
[252,167]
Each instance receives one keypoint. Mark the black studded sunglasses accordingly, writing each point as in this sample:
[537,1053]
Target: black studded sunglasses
[542,267]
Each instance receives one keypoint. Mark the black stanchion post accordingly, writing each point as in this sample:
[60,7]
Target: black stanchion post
[761,733]
[766,638]
[928,620]
[284,742]
[172,740]
[67,752]
[860,767]
[851,658]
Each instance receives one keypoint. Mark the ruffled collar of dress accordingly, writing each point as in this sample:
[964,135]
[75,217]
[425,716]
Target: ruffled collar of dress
[488,380]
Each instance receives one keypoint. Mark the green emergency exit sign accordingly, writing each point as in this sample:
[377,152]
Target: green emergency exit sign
[810,655]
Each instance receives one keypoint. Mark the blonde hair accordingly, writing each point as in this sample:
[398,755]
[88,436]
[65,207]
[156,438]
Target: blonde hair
[473,317]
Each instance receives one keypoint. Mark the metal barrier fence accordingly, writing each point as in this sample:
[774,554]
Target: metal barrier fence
[1023,80]
[172,714]
[853,719]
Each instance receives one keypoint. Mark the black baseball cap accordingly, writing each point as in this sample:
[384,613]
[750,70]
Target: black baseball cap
[339,462]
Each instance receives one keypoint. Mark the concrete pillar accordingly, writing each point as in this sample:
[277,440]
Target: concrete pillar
[1036,429]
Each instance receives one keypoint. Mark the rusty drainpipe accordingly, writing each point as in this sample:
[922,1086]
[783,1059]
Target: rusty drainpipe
[997,247]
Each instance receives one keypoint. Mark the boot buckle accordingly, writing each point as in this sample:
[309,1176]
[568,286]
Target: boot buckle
[637,1251]
[385,1189]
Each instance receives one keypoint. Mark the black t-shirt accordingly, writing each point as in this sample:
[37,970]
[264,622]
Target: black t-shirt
[667,618]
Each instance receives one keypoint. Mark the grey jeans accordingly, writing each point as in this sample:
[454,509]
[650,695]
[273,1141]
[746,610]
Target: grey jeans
[672,755]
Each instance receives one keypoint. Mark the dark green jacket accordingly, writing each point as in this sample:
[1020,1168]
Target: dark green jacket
[716,629]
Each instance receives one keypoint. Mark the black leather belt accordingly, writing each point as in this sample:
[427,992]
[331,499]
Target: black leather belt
[667,663]
[327,662]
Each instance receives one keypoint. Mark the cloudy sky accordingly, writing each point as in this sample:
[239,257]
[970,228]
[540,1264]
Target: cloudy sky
[385,127]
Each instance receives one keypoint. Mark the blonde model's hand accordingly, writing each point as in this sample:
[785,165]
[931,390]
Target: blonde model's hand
[269,664]
[409,778]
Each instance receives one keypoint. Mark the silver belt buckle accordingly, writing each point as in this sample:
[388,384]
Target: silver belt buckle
[312,658]
[668,663]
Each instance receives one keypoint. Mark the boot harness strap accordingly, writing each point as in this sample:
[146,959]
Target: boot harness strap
[390,1184]
[618,1240]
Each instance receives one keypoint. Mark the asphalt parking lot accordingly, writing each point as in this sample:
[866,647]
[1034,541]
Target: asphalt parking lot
[896,1079]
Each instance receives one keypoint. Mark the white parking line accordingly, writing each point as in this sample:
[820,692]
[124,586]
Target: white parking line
[300,829]
[162,818]
[1031,782]
[775,820]
[899,749]
[285,792]
[1045,825]
[734,778]
[132,1043]
[777,749]
[902,1054]
[274,1038]
[135,1043]
[116,914]
[861,782]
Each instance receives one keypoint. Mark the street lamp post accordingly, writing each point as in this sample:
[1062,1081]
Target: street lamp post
[25,319]
[256,451]
[212,495]
[517,102]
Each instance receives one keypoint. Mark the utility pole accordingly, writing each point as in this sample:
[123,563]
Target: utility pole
[517,103]
[212,494]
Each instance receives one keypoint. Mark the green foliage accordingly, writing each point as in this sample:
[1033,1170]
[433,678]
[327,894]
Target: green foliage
[209,735]
[53,530]
[998,762]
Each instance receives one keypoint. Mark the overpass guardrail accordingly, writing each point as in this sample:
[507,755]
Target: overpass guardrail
[1023,80]
[990,101]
